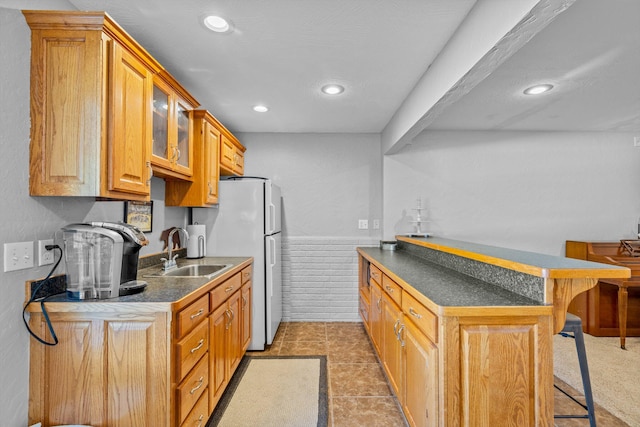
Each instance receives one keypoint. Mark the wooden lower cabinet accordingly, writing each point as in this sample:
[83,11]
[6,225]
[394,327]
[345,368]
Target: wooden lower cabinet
[471,366]
[104,365]
[420,401]
[139,364]
[391,353]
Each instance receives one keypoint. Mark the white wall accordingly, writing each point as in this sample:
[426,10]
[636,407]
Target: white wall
[25,218]
[522,190]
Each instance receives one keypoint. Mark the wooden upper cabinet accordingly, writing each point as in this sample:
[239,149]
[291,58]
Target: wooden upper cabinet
[172,147]
[203,191]
[231,155]
[91,97]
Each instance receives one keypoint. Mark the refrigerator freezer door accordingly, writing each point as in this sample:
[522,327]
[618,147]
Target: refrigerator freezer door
[273,264]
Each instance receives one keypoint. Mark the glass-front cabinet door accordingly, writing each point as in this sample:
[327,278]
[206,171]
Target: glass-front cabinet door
[183,152]
[172,132]
[161,112]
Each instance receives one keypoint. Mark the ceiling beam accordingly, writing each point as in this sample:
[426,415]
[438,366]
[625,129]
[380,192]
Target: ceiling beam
[492,32]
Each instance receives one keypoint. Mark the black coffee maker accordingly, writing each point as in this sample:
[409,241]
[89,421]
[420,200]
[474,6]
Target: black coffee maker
[102,259]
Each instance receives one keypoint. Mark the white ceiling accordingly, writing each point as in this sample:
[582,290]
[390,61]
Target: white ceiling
[283,51]
[590,53]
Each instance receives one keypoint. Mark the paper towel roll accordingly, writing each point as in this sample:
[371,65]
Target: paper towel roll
[197,244]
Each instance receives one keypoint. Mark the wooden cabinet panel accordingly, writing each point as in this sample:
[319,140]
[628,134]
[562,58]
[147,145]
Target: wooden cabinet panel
[190,390]
[192,315]
[221,293]
[392,289]
[231,154]
[122,364]
[424,319]
[498,375]
[199,414]
[90,107]
[246,315]
[391,354]
[128,155]
[375,316]
[420,378]
[203,191]
[191,349]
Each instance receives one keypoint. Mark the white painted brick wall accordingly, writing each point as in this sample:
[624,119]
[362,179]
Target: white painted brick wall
[320,278]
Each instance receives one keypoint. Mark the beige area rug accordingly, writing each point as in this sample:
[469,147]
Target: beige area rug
[615,373]
[275,392]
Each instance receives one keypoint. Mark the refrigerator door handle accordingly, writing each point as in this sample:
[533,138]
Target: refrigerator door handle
[272,217]
[272,259]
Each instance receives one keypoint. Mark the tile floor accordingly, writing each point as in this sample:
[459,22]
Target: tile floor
[358,390]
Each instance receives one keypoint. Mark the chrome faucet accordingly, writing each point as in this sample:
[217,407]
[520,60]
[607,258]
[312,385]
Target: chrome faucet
[170,264]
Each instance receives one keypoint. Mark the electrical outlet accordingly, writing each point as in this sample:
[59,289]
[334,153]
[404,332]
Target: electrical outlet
[18,256]
[636,141]
[376,224]
[363,224]
[45,257]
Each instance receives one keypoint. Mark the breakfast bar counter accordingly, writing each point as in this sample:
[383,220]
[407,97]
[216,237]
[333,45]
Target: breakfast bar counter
[464,331]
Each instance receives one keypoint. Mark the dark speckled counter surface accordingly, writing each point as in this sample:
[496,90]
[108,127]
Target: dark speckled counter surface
[443,286]
[166,289]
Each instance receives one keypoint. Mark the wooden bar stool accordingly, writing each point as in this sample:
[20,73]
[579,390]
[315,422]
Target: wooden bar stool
[573,329]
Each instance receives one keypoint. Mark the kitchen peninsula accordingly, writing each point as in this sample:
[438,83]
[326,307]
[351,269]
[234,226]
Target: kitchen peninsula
[464,331]
[162,357]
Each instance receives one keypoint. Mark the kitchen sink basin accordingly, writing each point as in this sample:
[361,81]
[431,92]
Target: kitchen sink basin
[194,270]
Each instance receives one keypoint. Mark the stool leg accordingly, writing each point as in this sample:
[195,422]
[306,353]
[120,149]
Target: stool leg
[584,371]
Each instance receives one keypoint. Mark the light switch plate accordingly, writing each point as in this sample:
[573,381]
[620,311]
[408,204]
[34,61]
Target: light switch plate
[18,256]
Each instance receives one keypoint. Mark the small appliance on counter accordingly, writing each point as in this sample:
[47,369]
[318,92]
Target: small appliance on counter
[102,259]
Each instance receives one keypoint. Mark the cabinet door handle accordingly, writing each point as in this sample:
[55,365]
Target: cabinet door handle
[210,188]
[395,326]
[229,289]
[400,336]
[197,314]
[178,154]
[389,289]
[244,302]
[378,304]
[198,347]
[199,420]
[228,314]
[415,313]
[201,382]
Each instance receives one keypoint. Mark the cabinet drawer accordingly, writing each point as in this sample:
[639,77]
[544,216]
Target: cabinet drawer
[424,319]
[190,316]
[364,309]
[223,291]
[194,386]
[191,349]
[375,273]
[246,275]
[392,289]
[199,415]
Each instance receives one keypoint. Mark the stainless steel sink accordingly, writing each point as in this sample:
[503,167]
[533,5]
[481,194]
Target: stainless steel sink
[194,270]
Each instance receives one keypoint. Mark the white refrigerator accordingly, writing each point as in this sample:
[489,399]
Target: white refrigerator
[248,223]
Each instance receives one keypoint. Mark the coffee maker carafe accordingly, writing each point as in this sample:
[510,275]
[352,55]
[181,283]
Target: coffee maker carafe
[102,259]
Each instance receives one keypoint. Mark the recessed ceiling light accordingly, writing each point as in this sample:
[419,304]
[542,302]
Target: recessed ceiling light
[332,89]
[217,24]
[261,108]
[538,89]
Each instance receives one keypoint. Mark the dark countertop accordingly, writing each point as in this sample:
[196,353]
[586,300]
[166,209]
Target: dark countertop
[166,289]
[443,286]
